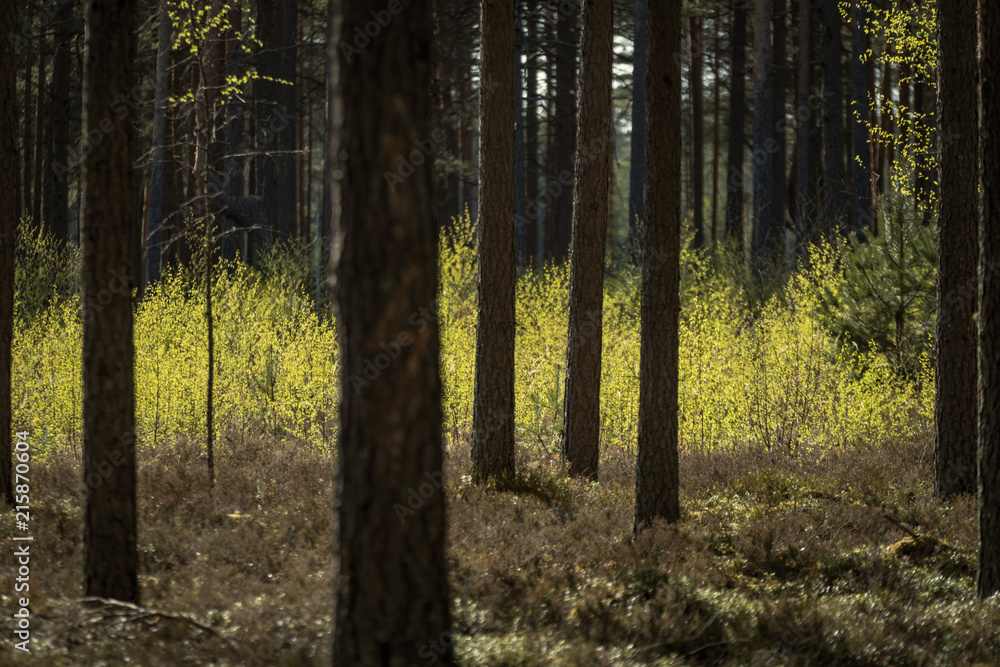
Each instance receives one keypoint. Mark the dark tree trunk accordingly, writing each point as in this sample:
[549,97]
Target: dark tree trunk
[154,241]
[834,185]
[804,213]
[232,182]
[392,584]
[58,176]
[862,210]
[958,250]
[8,227]
[779,198]
[559,225]
[657,494]
[111,558]
[764,246]
[40,135]
[283,217]
[989,304]
[637,167]
[737,123]
[697,132]
[532,245]
[716,132]
[493,408]
[883,147]
[27,149]
[520,165]
[581,407]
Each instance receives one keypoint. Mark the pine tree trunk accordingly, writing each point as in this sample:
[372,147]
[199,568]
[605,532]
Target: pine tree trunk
[737,123]
[833,120]
[989,304]
[520,147]
[56,212]
[657,485]
[8,226]
[560,223]
[111,557]
[154,242]
[581,407]
[779,198]
[392,585]
[27,168]
[862,211]
[716,132]
[637,171]
[697,132]
[958,251]
[533,248]
[763,249]
[804,212]
[493,407]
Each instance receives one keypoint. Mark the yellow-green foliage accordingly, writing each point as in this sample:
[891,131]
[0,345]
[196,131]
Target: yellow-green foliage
[773,376]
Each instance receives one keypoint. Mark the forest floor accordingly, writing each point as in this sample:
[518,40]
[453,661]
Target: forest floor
[834,559]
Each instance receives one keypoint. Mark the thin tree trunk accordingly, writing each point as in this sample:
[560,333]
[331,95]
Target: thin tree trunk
[804,212]
[581,407]
[763,249]
[56,212]
[716,121]
[560,223]
[27,170]
[532,16]
[637,171]
[657,494]
[110,554]
[392,586]
[958,251]
[520,149]
[493,407]
[862,210]
[833,120]
[41,132]
[779,198]
[737,122]
[697,132]
[154,242]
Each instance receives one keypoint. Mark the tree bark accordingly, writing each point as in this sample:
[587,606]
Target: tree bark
[392,590]
[8,227]
[737,122]
[111,558]
[958,251]
[764,247]
[697,131]
[153,243]
[581,407]
[531,123]
[716,132]
[27,167]
[559,225]
[989,301]
[804,212]
[834,185]
[57,179]
[41,133]
[522,224]
[637,166]
[779,198]
[657,483]
[863,213]
[493,407]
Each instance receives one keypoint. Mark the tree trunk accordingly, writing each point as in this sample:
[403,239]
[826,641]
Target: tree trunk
[716,142]
[637,166]
[560,223]
[153,244]
[392,586]
[232,182]
[581,407]
[697,132]
[883,147]
[111,558]
[989,304]
[8,228]
[284,205]
[41,132]
[779,198]
[834,184]
[764,248]
[57,179]
[520,149]
[657,483]
[493,408]
[533,248]
[958,250]
[804,214]
[737,122]
[27,167]
[862,211]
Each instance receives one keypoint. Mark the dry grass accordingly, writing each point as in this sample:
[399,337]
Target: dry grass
[804,561]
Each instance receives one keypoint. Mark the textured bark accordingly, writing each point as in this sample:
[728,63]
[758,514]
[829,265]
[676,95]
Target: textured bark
[779,198]
[57,178]
[559,225]
[887,128]
[862,211]
[531,122]
[657,482]
[697,131]
[27,151]
[716,133]
[8,225]
[637,171]
[804,210]
[989,301]
[834,185]
[737,123]
[232,182]
[111,558]
[283,217]
[392,585]
[958,251]
[154,240]
[581,407]
[520,147]
[493,407]
[41,130]
[764,246]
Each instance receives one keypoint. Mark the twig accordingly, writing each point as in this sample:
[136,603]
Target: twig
[134,612]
